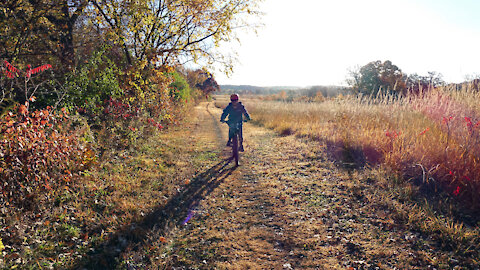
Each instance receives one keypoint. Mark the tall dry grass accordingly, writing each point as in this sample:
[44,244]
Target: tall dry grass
[430,137]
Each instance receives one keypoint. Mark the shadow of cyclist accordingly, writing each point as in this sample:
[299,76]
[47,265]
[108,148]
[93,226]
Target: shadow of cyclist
[160,220]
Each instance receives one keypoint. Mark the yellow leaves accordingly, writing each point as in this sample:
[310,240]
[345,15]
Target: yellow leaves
[166,29]
[169,69]
[2,247]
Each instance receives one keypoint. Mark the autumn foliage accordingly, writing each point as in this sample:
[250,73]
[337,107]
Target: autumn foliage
[37,155]
[12,72]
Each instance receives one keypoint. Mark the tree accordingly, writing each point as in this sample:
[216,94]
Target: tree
[162,31]
[416,83]
[167,31]
[145,37]
[63,15]
[376,76]
[207,83]
[38,30]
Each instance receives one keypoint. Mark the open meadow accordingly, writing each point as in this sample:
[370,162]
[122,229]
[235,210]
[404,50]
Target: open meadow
[425,147]
[429,138]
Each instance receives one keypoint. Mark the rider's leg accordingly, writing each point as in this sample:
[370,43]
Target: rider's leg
[230,136]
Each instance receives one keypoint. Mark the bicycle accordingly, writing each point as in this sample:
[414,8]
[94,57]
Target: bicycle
[235,140]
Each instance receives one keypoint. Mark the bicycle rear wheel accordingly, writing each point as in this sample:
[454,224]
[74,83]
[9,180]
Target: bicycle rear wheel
[235,148]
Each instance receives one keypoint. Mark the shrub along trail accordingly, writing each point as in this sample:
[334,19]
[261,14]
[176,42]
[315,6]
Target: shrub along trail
[286,207]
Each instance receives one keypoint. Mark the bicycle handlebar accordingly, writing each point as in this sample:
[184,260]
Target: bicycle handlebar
[244,120]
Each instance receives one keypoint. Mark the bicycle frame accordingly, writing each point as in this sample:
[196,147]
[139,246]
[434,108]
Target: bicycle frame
[235,141]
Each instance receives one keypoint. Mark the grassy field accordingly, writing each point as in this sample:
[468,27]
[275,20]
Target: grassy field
[425,147]
[429,138]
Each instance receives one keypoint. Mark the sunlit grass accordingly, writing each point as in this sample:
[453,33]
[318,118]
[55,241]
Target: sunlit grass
[431,140]
[431,137]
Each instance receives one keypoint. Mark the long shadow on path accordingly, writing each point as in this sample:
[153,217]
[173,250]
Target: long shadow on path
[160,220]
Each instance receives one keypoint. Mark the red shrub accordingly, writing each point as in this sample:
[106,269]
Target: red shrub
[37,154]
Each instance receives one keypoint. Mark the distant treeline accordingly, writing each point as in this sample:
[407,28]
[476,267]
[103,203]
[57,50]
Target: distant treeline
[291,91]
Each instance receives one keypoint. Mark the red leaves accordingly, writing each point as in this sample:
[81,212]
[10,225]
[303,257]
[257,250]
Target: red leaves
[13,72]
[37,155]
[154,123]
[468,120]
[446,120]
[456,192]
[470,125]
[10,67]
[425,131]
[392,134]
[118,109]
[10,70]
[9,74]
[36,70]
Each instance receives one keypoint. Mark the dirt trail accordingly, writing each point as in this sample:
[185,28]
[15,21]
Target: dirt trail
[235,225]
[286,207]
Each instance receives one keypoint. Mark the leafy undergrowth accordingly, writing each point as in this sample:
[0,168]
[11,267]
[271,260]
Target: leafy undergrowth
[39,152]
[122,188]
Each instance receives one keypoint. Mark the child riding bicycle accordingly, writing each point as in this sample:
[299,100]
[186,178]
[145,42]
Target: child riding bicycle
[235,112]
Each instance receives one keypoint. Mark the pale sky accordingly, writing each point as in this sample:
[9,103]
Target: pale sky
[315,42]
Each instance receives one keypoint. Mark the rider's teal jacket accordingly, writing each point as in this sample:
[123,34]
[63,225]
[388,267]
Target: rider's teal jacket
[235,114]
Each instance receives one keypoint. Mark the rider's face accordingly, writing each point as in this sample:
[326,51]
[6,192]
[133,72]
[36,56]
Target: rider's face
[235,101]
